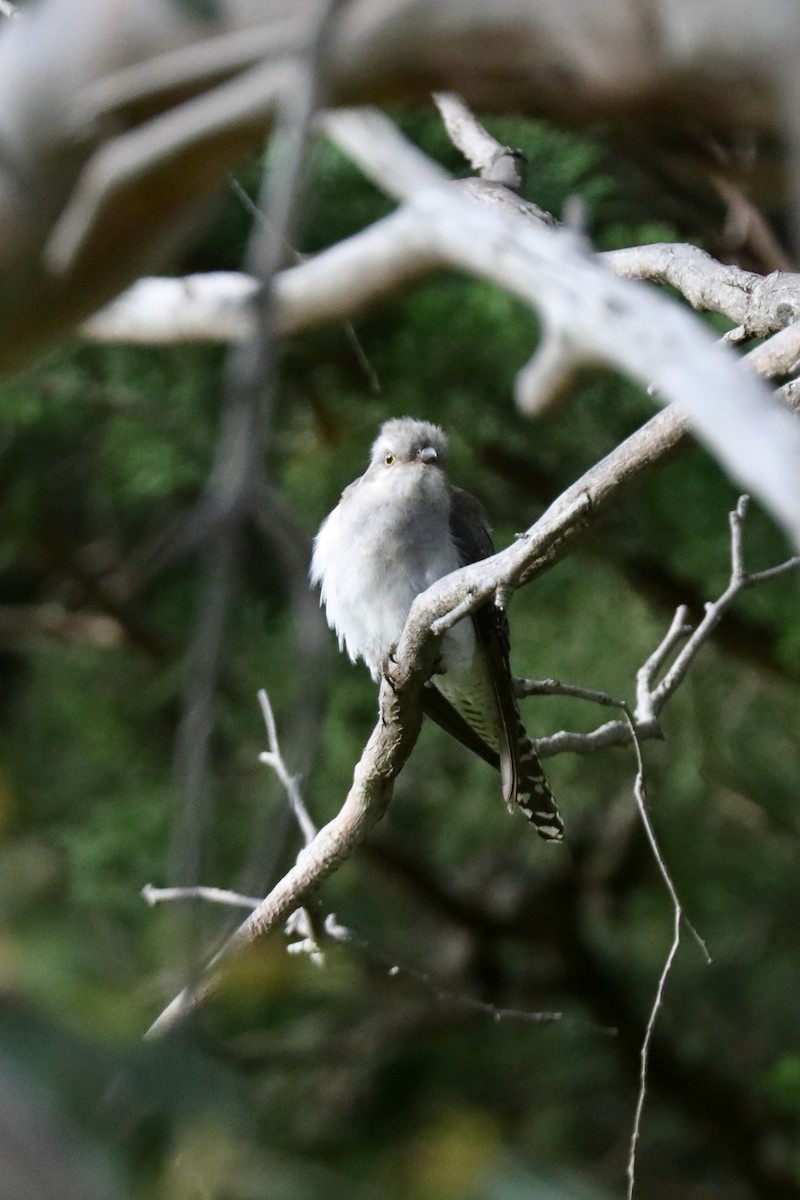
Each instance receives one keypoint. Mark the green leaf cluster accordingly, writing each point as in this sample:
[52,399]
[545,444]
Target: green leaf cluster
[355,1079]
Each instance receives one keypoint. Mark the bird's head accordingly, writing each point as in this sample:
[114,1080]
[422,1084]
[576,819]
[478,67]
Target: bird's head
[404,442]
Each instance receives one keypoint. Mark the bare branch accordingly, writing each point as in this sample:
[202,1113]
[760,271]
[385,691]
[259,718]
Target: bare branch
[490,158]
[548,374]
[644,1053]
[736,523]
[400,717]
[554,274]
[376,145]
[770,573]
[779,355]
[554,687]
[653,694]
[400,707]
[759,304]
[128,160]
[305,921]
[218,307]
[212,895]
[648,673]
[111,99]
[599,317]
[274,759]
[198,308]
[340,934]
[144,107]
[738,582]
[401,713]
[640,795]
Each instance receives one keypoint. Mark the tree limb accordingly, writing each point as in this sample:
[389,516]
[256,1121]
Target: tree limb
[759,304]
[400,711]
[599,317]
[141,108]
[652,693]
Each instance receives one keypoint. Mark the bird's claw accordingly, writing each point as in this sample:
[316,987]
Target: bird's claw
[388,668]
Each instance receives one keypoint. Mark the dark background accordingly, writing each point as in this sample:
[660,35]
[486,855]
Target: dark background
[351,1080]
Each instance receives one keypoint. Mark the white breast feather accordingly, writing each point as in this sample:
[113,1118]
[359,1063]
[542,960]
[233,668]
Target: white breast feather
[367,595]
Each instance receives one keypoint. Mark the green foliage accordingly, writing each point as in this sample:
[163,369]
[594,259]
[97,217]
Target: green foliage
[354,1080]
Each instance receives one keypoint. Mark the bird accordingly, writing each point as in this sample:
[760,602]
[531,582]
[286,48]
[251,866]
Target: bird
[396,530]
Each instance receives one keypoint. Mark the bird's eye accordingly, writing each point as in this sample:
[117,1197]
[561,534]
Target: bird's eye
[389,458]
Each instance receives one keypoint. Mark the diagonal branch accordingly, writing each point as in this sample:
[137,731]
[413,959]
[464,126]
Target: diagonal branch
[391,742]
[584,307]
[652,692]
[758,304]
[400,716]
[488,157]
[756,440]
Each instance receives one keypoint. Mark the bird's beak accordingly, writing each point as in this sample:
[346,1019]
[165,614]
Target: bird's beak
[428,455]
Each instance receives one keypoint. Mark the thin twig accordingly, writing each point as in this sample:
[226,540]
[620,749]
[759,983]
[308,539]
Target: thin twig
[212,895]
[644,1053]
[647,674]
[738,582]
[554,687]
[485,154]
[736,520]
[756,577]
[641,802]
[306,921]
[640,795]
[343,936]
[298,257]
[400,718]
[273,758]
[653,694]
[347,937]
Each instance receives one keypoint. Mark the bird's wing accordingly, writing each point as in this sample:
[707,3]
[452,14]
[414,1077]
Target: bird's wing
[469,528]
[439,709]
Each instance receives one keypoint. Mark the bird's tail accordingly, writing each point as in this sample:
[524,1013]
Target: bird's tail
[534,795]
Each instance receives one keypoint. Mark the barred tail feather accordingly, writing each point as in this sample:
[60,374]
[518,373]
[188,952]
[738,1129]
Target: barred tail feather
[535,797]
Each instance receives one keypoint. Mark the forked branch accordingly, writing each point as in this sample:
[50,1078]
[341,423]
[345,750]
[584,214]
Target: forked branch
[400,712]
[654,689]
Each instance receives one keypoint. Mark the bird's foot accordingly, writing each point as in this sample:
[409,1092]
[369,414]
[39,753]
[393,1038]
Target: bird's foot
[389,668]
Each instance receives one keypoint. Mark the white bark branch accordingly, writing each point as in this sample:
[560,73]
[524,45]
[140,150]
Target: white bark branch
[588,313]
[759,304]
[141,107]
[610,320]
[373,780]
[216,307]
[400,717]
[488,157]
[653,691]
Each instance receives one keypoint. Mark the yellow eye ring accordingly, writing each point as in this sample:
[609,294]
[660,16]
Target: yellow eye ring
[389,458]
